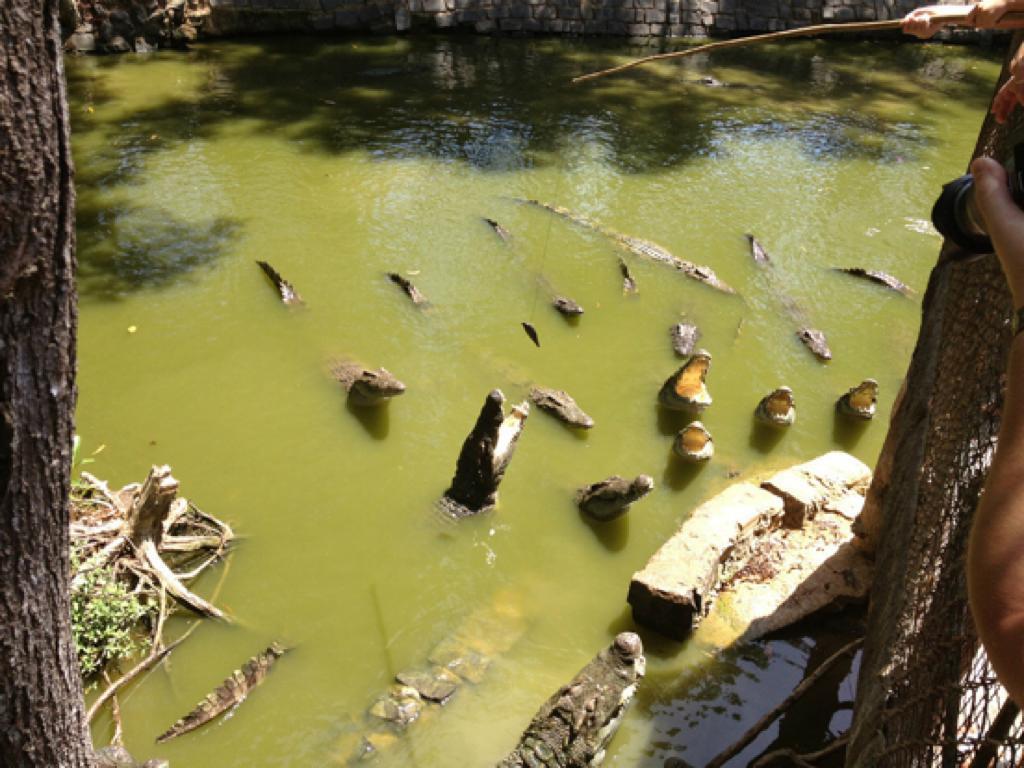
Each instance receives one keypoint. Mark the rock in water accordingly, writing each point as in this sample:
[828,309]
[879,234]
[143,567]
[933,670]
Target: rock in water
[574,727]
[611,497]
[560,405]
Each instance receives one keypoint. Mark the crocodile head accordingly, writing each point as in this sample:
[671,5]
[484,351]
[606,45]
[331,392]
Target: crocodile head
[777,408]
[375,387]
[610,498]
[685,390]
[694,443]
[574,726]
[860,401]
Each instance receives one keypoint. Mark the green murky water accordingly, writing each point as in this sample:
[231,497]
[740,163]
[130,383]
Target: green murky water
[339,160]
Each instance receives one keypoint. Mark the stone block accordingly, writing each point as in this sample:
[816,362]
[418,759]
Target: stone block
[545,12]
[867,13]
[469,16]
[574,27]
[805,488]
[639,30]
[518,12]
[433,6]
[616,28]
[757,24]
[674,18]
[654,16]
[323,22]
[533,25]
[678,30]
[346,20]
[644,3]
[554,26]
[511,25]
[709,6]
[444,20]
[845,14]
[570,13]
[485,27]
[403,19]
[657,29]
[671,593]
[725,23]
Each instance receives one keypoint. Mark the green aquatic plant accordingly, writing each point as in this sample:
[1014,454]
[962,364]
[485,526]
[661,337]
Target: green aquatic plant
[104,613]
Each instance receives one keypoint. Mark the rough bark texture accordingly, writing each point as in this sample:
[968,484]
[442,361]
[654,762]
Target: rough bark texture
[923,695]
[41,716]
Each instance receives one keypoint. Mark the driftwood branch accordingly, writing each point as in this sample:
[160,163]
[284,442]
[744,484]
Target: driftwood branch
[952,14]
[170,582]
[151,507]
[723,757]
[155,655]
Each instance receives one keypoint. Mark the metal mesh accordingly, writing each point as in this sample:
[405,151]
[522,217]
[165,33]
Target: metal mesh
[926,694]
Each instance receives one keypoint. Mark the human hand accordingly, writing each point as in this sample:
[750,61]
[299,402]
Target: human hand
[924,22]
[1004,221]
[1012,92]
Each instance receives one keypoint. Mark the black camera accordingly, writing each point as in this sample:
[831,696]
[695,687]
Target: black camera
[956,213]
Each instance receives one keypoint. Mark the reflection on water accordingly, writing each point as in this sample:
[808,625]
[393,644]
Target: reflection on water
[340,160]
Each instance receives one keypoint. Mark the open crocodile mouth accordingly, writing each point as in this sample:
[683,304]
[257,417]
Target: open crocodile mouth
[777,408]
[686,388]
[694,443]
[860,401]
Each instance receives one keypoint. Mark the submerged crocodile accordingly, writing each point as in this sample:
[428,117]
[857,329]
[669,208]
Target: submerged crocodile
[685,389]
[610,498]
[628,282]
[882,278]
[484,457]
[684,338]
[860,401]
[811,338]
[693,443]
[566,306]
[410,290]
[228,694]
[366,387]
[640,247]
[777,408]
[499,230]
[573,728]
[285,289]
[560,405]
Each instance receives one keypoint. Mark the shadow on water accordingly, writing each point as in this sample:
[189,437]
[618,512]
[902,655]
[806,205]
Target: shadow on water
[847,431]
[496,105]
[375,420]
[679,474]
[764,437]
[670,422]
[613,534]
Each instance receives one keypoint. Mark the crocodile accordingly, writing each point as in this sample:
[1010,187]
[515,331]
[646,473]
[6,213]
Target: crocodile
[685,389]
[611,497]
[566,306]
[693,443]
[640,247]
[573,727]
[628,281]
[815,341]
[410,290]
[684,338]
[228,694]
[499,230]
[366,387]
[812,338]
[882,278]
[484,457]
[777,408]
[560,405]
[860,401]
[287,292]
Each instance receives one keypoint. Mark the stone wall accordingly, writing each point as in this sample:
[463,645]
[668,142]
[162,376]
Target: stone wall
[113,25]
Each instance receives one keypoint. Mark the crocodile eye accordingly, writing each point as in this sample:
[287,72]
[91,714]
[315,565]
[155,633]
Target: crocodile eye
[628,644]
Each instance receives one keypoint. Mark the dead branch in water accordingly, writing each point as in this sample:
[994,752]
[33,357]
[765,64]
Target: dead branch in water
[131,532]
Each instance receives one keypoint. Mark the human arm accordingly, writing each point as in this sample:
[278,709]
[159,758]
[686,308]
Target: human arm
[988,14]
[995,558]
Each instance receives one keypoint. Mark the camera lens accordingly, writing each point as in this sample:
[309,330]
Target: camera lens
[956,216]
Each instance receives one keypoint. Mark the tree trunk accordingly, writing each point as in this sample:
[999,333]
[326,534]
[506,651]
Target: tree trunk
[42,721]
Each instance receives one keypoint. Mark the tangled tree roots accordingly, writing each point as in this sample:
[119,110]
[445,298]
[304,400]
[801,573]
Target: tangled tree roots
[155,542]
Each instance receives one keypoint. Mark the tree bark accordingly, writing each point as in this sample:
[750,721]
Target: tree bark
[42,721]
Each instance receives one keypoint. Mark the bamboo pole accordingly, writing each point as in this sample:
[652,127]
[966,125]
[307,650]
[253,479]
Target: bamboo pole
[955,14]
